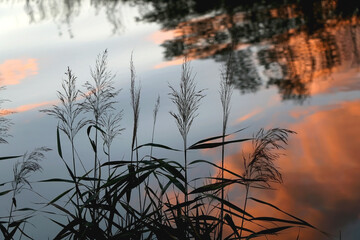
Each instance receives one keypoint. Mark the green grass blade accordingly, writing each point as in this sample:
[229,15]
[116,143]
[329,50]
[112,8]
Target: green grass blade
[217,144]
[58,141]
[57,180]
[270,231]
[9,157]
[231,205]
[59,196]
[157,146]
[5,192]
[216,137]
[231,223]
[216,166]
[211,187]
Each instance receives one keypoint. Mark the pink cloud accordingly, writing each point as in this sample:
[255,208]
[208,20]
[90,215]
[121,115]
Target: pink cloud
[14,70]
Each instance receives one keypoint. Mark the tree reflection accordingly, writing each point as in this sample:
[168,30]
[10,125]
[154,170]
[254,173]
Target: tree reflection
[286,44]
[283,43]
[63,12]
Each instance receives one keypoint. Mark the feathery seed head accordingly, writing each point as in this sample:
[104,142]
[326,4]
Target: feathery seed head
[23,169]
[260,167]
[100,94]
[186,100]
[68,110]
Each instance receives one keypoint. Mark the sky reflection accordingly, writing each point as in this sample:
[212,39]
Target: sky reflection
[320,170]
[282,53]
[15,70]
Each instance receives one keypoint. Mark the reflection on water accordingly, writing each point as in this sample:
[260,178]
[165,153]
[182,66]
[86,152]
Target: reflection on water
[321,169]
[14,70]
[296,46]
[286,44]
[64,12]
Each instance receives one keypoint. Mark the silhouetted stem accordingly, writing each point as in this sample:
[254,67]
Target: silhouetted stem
[109,159]
[222,188]
[11,208]
[74,166]
[186,178]
[243,217]
[137,168]
[151,150]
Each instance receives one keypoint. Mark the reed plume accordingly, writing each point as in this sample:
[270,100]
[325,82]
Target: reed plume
[259,166]
[99,96]
[135,104]
[68,112]
[155,112]
[22,171]
[110,124]
[187,101]
[135,93]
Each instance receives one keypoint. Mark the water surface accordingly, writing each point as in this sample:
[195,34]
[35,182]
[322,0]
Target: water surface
[297,67]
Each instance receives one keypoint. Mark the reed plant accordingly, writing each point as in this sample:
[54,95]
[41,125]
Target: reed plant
[22,170]
[187,102]
[259,165]
[155,112]
[135,93]
[99,98]
[68,112]
[110,123]
[226,90]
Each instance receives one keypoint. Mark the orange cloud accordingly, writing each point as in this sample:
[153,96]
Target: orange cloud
[174,62]
[15,70]
[249,115]
[159,37]
[345,81]
[27,107]
[320,171]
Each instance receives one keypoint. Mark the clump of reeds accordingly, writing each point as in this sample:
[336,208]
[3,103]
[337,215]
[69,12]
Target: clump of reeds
[187,101]
[107,210]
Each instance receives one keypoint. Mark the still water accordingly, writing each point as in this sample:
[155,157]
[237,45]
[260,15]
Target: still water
[297,67]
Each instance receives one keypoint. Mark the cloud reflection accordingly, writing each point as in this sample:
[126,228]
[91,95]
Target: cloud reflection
[28,107]
[320,170]
[249,115]
[14,70]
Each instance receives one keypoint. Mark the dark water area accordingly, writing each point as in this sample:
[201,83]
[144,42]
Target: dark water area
[296,66]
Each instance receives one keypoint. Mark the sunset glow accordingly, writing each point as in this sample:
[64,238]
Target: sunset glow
[28,107]
[14,71]
[320,169]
